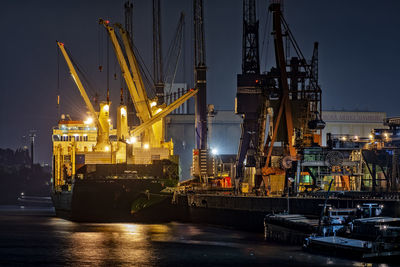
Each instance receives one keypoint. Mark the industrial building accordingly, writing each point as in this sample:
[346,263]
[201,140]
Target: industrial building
[224,129]
[351,123]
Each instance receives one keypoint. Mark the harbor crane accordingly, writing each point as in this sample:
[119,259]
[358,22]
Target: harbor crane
[203,166]
[101,119]
[288,97]
[149,113]
[250,98]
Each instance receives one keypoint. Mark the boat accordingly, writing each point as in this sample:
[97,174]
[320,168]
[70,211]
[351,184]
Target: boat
[369,237]
[354,248]
[90,186]
[345,222]
[294,228]
[102,173]
[289,228]
[34,201]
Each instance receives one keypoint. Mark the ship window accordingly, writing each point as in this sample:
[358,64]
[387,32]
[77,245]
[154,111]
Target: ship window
[56,137]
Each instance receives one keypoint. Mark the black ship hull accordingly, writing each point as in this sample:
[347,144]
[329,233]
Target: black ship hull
[248,212]
[116,200]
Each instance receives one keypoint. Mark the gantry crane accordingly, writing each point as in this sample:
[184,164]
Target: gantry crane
[296,120]
[250,98]
[293,112]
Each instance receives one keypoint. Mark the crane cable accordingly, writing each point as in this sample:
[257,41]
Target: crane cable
[144,71]
[266,28]
[82,72]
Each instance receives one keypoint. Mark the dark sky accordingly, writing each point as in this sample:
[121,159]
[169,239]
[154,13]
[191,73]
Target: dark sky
[358,54]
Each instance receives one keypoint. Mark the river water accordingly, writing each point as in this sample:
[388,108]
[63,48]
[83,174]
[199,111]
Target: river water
[36,237]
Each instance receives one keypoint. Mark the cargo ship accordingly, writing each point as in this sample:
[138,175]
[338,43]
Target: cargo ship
[102,173]
[89,186]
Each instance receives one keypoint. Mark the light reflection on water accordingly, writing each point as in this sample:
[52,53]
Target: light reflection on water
[161,244]
[41,240]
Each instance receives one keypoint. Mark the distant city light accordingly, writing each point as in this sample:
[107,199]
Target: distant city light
[106,108]
[146,146]
[153,104]
[214,151]
[107,148]
[371,136]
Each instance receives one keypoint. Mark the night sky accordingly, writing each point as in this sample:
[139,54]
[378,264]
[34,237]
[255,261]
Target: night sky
[358,54]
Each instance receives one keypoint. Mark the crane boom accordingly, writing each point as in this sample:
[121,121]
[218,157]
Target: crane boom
[150,118]
[250,51]
[78,83]
[200,75]
[250,100]
[157,52]
[140,101]
[158,116]
[285,105]
[134,65]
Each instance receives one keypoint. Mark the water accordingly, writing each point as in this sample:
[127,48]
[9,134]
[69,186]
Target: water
[35,237]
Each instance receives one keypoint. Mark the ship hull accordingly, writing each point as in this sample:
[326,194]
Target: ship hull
[248,212]
[115,200]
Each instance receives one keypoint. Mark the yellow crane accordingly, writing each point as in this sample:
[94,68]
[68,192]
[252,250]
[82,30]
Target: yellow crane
[148,112]
[157,127]
[138,130]
[101,120]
